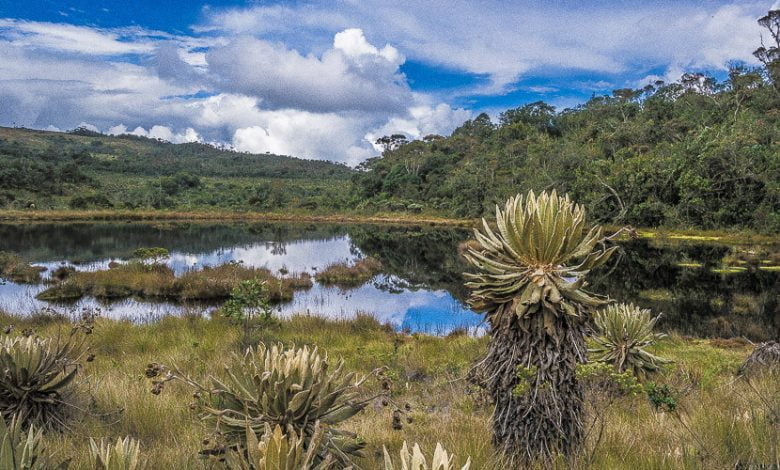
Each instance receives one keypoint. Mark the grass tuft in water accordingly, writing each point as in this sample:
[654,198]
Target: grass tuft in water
[343,275]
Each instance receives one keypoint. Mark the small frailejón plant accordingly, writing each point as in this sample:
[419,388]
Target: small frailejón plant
[623,331]
[276,450]
[415,460]
[294,389]
[24,450]
[35,379]
[124,454]
[530,282]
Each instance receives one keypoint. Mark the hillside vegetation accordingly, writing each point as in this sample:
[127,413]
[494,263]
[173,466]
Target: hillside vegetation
[83,169]
[693,154]
[697,153]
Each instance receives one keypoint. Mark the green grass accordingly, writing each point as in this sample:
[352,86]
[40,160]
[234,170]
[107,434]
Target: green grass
[721,422]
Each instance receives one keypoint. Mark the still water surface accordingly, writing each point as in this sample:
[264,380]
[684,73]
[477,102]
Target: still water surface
[420,288]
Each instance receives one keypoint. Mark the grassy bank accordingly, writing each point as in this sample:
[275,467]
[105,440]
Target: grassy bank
[287,216]
[661,234]
[720,422]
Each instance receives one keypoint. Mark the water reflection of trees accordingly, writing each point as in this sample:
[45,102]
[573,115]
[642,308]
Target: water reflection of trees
[695,301]
[103,240]
[425,257]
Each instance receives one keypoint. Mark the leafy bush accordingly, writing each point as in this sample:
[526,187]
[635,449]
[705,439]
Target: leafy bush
[248,299]
[602,377]
[125,454]
[662,397]
[622,333]
[153,255]
[35,379]
[415,460]
[248,302]
[24,450]
[98,201]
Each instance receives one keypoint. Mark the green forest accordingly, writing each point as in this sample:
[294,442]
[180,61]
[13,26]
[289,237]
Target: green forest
[697,153]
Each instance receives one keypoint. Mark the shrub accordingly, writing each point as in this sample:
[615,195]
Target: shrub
[600,377]
[24,450]
[62,273]
[152,255]
[248,299]
[35,379]
[415,207]
[99,201]
[622,333]
[415,460]
[125,454]
[662,397]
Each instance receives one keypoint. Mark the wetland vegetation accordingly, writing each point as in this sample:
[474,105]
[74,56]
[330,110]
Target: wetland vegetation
[692,411]
[538,340]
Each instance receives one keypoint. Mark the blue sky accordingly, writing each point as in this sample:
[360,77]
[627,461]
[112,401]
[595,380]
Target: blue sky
[323,79]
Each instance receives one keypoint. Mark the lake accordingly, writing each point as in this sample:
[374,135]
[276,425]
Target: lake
[702,289]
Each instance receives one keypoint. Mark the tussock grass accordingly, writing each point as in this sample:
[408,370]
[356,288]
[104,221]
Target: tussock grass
[343,275]
[720,422]
[13,268]
[159,281]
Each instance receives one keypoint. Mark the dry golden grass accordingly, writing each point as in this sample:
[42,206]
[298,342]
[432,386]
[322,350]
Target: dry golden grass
[343,275]
[721,421]
[159,281]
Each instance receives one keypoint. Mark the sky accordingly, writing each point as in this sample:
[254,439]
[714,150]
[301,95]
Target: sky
[324,79]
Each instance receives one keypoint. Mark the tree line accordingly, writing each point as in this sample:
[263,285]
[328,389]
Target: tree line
[699,152]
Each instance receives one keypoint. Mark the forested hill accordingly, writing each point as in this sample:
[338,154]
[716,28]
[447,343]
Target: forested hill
[697,153]
[87,170]
[133,155]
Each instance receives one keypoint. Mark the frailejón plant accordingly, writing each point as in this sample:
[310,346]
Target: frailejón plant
[530,281]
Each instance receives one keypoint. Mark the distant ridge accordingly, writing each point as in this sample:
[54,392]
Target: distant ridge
[142,156]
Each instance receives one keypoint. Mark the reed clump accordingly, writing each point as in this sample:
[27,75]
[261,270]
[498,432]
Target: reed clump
[15,269]
[344,275]
[157,281]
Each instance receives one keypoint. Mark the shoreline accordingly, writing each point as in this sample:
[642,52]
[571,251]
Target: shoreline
[671,234]
[141,216]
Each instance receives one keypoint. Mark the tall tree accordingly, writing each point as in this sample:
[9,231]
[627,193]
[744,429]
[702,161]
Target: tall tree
[769,52]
